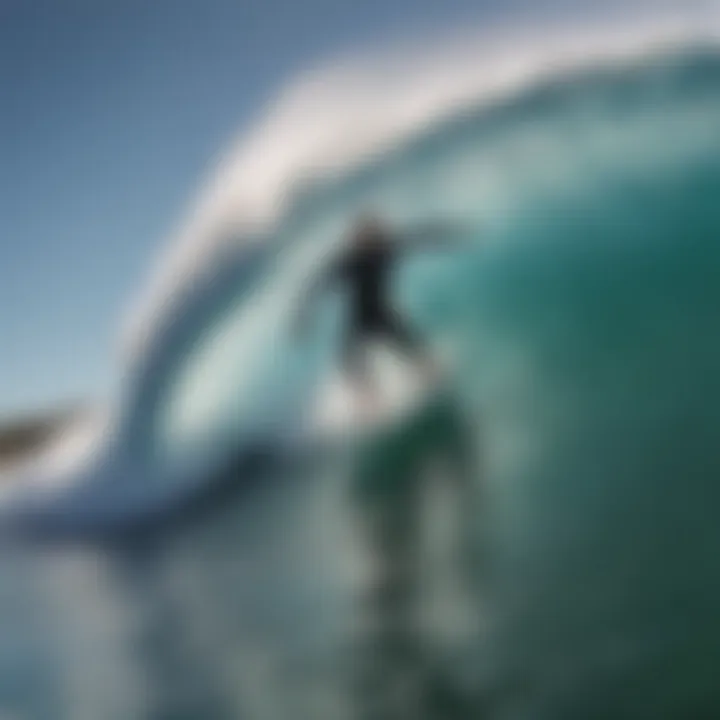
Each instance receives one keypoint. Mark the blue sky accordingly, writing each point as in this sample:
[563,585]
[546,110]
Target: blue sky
[111,113]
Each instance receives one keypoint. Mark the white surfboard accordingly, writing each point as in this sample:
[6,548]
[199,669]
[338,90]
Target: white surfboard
[400,386]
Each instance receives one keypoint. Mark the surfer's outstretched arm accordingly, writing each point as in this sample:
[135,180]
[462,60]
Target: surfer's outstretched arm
[435,235]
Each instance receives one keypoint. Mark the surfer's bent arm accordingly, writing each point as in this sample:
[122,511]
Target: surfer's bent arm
[320,282]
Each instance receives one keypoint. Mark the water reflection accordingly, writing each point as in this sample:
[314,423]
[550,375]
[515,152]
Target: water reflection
[329,587]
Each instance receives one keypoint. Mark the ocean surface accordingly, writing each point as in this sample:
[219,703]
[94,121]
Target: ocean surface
[539,540]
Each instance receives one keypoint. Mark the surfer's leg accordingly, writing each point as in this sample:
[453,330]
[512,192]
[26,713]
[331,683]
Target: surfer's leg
[353,361]
[355,366]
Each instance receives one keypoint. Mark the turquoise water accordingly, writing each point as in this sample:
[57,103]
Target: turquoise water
[574,453]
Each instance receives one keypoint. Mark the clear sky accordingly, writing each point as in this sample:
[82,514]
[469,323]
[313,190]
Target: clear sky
[111,112]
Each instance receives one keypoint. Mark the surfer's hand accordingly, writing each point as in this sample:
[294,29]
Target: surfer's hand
[463,233]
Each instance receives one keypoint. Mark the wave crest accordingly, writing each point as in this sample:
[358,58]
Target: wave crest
[331,119]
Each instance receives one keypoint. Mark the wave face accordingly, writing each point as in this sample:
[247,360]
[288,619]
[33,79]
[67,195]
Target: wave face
[581,323]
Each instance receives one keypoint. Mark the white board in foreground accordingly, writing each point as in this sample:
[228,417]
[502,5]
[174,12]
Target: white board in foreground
[399,387]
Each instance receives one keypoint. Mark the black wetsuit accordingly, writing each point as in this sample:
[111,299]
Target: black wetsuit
[366,271]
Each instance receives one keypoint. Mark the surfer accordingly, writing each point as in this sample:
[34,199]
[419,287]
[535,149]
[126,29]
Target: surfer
[365,268]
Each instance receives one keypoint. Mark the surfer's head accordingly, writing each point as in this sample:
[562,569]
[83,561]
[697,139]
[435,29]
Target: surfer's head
[369,230]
